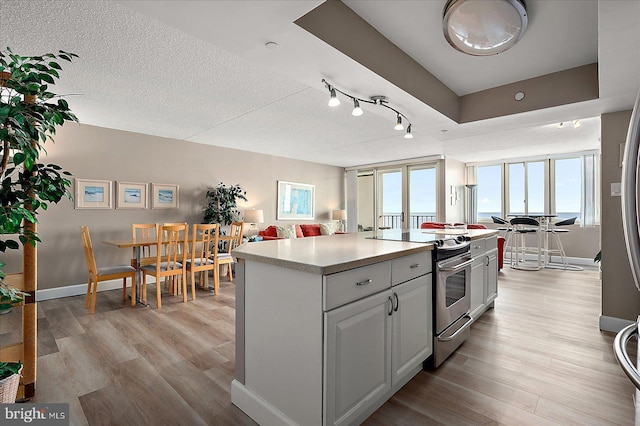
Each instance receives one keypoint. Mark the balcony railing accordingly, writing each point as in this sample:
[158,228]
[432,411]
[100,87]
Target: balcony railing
[392,221]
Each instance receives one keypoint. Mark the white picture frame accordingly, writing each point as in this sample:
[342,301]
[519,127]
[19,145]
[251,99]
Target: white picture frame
[132,195]
[164,196]
[92,194]
[296,201]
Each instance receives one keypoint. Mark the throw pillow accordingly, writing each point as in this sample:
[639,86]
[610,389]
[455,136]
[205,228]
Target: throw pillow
[311,230]
[286,231]
[326,229]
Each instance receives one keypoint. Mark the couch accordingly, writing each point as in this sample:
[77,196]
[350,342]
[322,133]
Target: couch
[439,225]
[302,231]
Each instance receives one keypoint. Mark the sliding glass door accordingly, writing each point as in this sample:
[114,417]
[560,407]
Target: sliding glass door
[400,197]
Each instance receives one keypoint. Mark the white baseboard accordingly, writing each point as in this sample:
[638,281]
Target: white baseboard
[612,323]
[256,407]
[80,289]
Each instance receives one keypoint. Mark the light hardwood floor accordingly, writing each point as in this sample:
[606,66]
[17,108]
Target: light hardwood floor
[537,358]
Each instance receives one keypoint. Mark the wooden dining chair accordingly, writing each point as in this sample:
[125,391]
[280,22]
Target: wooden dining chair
[144,231]
[105,273]
[233,240]
[203,256]
[170,261]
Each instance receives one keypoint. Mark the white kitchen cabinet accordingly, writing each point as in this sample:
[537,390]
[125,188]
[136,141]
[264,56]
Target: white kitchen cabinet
[358,357]
[491,277]
[412,327]
[373,346]
[484,275]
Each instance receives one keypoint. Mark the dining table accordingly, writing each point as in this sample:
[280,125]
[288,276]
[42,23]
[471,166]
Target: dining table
[137,245]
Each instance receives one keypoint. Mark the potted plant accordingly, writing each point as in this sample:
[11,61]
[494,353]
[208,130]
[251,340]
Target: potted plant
[9,381]
[222,202]
[29,115]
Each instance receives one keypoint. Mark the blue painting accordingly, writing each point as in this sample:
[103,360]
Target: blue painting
[165,196]
[132,196]
[295,201]
[93,194]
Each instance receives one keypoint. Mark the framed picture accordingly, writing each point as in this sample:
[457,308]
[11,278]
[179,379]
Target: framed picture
[131,195]
[93,194]
[295,201]
[164,196]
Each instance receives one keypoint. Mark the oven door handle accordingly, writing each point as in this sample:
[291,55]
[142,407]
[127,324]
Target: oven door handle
[458,331]
[458,266]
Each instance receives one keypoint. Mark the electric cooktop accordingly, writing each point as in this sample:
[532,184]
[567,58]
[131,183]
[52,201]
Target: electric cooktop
[418,235]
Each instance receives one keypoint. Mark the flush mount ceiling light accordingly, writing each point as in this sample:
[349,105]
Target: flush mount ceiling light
[375,100]
[484,27]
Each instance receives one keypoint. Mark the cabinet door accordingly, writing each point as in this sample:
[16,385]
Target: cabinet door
[357,361]
[412,326]
[477,283]
[491,276]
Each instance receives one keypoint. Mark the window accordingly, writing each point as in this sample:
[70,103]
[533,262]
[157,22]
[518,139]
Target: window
[568,187]
[489,191]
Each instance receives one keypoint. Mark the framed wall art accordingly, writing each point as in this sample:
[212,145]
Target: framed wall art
[164,196]
[295,201]
[93,194]
[132,195]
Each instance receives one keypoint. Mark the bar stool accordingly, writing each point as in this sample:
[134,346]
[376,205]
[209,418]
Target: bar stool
[556,232]
[508,230]
[523,226]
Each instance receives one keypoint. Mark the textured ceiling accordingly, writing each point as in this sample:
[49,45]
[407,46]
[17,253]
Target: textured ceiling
[199,71]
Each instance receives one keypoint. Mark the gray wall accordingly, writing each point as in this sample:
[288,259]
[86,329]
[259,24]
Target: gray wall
[99,153]
[620,299]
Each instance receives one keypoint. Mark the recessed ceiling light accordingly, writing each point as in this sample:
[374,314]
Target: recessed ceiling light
[519,96]
[271,45]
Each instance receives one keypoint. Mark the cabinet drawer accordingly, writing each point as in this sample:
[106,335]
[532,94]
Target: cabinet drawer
[477,247]
[355,284]
[409,267]
[491,243]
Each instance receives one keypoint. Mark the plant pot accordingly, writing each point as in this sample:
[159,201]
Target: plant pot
[9,388]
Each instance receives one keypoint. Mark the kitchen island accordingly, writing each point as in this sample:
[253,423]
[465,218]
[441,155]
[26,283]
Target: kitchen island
[328,328]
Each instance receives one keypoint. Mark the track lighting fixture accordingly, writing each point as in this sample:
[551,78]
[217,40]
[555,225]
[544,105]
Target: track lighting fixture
[357,111]
[560,125]
[399,125]
[576,124]
[333,101]
[408,135]
[375,100]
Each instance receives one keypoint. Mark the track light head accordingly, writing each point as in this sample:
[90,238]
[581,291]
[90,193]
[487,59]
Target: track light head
[408,135]
[576,124]
[357,111]
[560,125]
[399,125]
[333,101]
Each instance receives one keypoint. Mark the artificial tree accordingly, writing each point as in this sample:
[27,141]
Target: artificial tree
[222,203]
[28,118]
[29,115]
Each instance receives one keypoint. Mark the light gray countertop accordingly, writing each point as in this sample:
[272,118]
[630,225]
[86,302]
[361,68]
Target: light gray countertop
[329,254]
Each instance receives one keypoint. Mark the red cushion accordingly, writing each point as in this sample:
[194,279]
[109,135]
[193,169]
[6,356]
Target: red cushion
[299,233]
[476,226]
[311,230]
[270,231]
[432,225]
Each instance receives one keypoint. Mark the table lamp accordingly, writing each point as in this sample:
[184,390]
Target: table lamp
[340,216]
[253,217]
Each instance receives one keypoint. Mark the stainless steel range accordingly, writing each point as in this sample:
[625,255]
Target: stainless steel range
[452,299]
[451,287]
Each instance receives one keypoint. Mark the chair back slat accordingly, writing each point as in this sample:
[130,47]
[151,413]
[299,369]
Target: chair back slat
[144,231]
[499,220]
[173,240]
[235,232]
[204,242]
[88,251]
[565,222]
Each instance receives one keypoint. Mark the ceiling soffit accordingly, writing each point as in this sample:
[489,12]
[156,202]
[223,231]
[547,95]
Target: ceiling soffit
[339,26]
